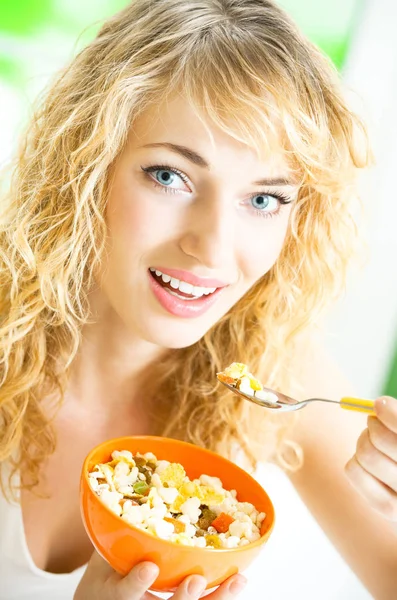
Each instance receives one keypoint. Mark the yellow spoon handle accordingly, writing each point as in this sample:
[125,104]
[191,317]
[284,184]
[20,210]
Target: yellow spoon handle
[365,406]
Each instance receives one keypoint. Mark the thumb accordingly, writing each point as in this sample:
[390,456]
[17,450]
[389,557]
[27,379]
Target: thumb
[96,575]
[138,580]
[100,580]
[98,567]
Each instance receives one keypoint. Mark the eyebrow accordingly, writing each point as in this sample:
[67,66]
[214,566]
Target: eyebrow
[183,151]
[198,160]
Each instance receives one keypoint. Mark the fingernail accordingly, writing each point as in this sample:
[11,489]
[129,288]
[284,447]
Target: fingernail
[196,586]
[237,585]
[380,403]
[147,573]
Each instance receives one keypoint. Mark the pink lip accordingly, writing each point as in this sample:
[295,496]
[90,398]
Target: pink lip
[193,279]
[178,307]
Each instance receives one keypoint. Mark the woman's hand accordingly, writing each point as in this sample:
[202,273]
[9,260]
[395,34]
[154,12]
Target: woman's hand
[373,469]
[101,582]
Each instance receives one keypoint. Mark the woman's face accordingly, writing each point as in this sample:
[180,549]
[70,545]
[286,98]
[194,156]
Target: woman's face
[195,218]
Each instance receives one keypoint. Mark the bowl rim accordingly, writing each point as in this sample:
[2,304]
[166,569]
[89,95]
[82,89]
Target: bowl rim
[183,547]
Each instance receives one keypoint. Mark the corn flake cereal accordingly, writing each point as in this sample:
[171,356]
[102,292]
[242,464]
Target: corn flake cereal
[174,475]
[237,375]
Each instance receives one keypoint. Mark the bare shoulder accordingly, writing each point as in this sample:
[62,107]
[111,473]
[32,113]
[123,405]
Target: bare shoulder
[326,428]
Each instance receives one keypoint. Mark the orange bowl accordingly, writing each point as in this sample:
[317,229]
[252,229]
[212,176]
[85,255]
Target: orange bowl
[124,545]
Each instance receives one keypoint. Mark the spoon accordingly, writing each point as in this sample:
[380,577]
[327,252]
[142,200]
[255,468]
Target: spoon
[272,400]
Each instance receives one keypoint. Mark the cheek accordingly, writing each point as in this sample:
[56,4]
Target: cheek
[260,250]
[135,221]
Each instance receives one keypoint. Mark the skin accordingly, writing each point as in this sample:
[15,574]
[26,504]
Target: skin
[377,454]
[209,227]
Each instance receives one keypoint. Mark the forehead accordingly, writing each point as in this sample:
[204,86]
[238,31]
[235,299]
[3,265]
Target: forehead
[176,121]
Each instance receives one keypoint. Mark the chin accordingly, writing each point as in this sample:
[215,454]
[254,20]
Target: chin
[171,332]
[174,338]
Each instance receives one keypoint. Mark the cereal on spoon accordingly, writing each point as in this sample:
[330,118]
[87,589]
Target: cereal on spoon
[158,497]
[238,376]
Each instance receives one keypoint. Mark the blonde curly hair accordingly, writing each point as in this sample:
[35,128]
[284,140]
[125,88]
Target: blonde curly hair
[239,58]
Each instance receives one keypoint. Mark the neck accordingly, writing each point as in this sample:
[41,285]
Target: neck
[111,363]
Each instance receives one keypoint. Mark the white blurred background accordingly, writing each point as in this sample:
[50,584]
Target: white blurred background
[39,36]
[362,331]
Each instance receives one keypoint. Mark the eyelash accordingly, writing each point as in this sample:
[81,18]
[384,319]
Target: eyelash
[165,189]
[283,199]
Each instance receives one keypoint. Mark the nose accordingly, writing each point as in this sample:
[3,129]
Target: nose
[210,233]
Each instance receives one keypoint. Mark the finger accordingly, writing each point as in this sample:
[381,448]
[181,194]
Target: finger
[137,581]
[191,589]
[194,586]
[382,438]
[376,463]
[386,411]
[230,589]
[379,496]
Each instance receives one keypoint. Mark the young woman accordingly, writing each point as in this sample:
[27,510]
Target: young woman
[182,199]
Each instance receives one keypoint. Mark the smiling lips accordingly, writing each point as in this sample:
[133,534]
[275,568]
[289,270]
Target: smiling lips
[183,294]
[180,288]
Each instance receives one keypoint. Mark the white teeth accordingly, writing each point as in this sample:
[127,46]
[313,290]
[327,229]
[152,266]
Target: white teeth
[187,288]
[198,291]
[209,291]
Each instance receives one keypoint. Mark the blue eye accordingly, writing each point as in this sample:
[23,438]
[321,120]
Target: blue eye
[168,178]
[265,202]
[165,177]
